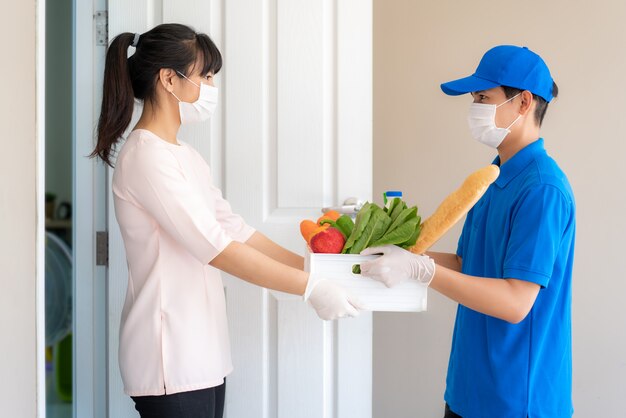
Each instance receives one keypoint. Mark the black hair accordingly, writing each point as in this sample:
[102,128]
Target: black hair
[541,104]
[168,45]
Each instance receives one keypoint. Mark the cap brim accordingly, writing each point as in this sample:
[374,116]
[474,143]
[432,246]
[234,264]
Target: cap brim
[467,85]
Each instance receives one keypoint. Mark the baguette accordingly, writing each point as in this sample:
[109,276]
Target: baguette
[454,207]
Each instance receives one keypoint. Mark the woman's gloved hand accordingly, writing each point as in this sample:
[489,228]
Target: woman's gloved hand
[396,265]
[329,300]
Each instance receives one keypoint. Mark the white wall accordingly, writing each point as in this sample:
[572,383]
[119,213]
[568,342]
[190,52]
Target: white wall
[18,386]
[422,146]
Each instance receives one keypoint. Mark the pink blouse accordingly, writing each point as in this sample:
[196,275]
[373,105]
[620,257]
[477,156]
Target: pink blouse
[173,332]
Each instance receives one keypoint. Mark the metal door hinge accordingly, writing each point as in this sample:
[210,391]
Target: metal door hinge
[102,248]
[102,27]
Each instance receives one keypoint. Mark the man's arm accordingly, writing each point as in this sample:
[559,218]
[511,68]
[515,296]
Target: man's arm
[508,299]
[451,261]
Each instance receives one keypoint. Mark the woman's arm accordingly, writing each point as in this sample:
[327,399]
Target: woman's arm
[263,244]
[506,299]
[251,265]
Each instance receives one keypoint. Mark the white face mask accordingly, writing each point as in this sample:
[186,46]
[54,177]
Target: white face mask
[201,109]
[482,123]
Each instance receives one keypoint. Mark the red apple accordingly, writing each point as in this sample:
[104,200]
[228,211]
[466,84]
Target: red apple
[330,241]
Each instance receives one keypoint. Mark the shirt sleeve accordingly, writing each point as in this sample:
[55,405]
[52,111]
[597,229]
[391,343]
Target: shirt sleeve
[156,182]
[460,245]
[232,223]
[537,227]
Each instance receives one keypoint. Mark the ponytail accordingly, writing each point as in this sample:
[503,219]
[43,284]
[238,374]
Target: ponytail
[117,97]
[169,45]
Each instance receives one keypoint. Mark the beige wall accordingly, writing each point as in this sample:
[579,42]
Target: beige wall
[422,146]
[18,212]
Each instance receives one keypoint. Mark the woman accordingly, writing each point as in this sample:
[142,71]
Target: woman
[178,231]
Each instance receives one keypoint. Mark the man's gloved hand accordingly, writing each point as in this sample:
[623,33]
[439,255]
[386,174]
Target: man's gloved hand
[396,265]
[329,300]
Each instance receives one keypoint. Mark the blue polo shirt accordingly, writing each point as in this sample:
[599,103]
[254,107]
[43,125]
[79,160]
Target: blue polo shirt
[522,228]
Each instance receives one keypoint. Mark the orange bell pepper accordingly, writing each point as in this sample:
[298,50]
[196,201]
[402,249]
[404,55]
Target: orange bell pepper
[333,215]
[308,229]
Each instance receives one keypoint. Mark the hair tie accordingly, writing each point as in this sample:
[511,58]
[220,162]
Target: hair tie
[135,40]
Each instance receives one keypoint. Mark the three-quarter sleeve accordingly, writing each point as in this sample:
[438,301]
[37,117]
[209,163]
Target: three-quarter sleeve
[232,223]
[156,182]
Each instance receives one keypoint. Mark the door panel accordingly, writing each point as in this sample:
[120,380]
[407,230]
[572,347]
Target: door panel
[298,137]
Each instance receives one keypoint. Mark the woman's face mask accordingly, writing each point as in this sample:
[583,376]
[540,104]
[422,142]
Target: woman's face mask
[482,123]
[200,110]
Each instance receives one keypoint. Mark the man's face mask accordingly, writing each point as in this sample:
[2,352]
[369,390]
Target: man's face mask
[201,109]
[482,123]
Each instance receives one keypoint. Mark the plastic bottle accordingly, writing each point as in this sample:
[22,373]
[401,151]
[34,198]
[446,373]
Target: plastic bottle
[389,195]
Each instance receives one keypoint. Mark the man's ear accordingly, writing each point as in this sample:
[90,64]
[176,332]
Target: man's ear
[166,78]
[527,102]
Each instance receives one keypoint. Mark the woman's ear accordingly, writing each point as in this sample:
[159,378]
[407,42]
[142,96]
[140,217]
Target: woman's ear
[166,78]
[527,102]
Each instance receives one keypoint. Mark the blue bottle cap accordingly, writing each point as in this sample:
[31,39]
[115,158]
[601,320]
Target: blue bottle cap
[393,193]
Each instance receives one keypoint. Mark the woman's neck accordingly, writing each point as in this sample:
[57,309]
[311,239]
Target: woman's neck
[159,121]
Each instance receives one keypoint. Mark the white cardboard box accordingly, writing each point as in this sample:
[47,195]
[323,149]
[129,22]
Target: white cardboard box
[407,296]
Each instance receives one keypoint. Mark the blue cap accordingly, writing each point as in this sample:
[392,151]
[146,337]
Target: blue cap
[506,65]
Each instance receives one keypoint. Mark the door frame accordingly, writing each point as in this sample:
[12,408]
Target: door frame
[89,215]
[40,303]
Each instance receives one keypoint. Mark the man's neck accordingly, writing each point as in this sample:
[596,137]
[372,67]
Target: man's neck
[515,142]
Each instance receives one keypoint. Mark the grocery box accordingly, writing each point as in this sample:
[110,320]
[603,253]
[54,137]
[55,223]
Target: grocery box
[406,296]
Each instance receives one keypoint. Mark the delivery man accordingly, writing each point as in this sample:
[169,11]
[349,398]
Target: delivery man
[511,354]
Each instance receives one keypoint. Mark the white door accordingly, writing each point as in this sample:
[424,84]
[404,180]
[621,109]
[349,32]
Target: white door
[293,133]
[89,354]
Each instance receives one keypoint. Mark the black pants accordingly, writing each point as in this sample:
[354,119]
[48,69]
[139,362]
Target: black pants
[450,414]
[204,403]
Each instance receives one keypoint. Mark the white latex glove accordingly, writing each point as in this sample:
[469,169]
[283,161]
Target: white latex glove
[329,300]
[396,265]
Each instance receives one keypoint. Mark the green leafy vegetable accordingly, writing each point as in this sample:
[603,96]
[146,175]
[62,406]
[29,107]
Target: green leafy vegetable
[375,226]
[411,242]
[398,236]
[394,202]
[397,209]
[406,215]
[345,225]
[362,218]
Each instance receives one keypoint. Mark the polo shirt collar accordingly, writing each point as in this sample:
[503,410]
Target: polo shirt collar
[510,169]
